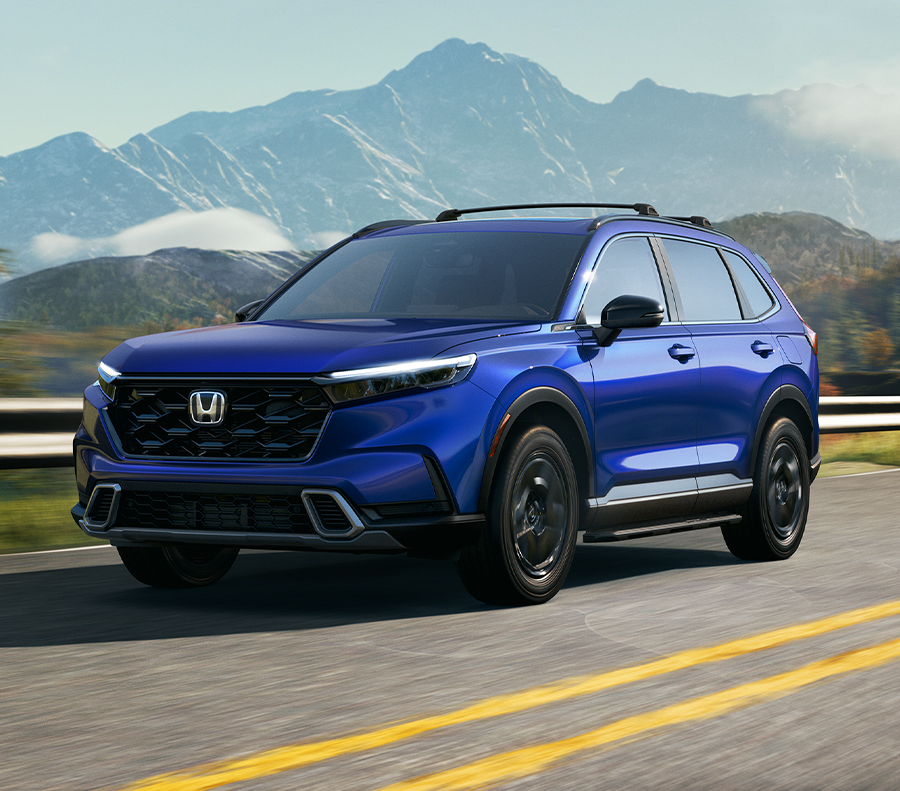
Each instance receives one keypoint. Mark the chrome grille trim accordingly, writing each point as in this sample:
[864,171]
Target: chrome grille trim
[323,517]
[104,502]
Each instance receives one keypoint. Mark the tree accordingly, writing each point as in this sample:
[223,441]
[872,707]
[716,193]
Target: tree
[877,349]
[6,260]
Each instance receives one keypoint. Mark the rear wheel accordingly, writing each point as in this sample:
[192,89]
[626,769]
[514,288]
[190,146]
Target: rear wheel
[178,565]
[526,549]
[775,516]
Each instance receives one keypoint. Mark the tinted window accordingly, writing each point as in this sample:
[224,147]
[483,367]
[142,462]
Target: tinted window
[447,275]
[627,267]
[705,287]
[760,300]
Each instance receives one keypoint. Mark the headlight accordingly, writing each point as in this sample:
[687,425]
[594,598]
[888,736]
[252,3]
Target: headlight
[107,376]
[368,382]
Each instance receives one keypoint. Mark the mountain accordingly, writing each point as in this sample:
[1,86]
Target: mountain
[802,246]
[182,285]
[461,125]
[164,289]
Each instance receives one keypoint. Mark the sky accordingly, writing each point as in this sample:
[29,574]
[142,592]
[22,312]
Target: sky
[115,69]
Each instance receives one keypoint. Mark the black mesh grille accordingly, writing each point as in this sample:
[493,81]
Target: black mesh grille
[330,514]
[283,513]
[99,510]
[431,508]
[270,421]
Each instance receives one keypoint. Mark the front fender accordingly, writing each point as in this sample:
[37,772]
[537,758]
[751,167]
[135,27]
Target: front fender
[534,392]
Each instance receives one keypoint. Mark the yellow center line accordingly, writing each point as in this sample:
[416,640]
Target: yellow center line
[517,764]
[295,756]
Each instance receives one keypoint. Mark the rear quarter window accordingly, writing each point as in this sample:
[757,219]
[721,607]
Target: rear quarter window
[759,298]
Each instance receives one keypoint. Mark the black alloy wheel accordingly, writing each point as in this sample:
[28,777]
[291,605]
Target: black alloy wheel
[774,518]
[526,550]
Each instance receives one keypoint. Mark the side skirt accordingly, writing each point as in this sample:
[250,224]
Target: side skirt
[658,528]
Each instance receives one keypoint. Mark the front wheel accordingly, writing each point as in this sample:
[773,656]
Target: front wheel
[178,565]
[775,516]
[526,549]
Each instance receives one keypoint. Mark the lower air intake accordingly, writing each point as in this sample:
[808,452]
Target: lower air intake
[101,508]
[332,515]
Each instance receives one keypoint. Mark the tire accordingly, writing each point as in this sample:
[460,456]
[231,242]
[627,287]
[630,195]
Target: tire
[774,518]
[525,551]
[178,565]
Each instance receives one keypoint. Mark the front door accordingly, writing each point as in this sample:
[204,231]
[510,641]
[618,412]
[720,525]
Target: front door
[646,391]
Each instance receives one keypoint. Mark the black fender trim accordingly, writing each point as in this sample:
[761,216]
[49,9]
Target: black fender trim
[530,398]
[781,394]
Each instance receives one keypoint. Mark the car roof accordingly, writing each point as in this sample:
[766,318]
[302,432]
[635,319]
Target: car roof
[579,226]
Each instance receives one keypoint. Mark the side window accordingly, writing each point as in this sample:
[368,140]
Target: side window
[626,267]
[704,285]
[760,300]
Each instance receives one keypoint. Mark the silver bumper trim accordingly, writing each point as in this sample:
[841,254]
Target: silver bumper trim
[367,541]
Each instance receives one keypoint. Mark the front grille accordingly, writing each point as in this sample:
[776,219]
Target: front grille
[283,513]
[268,421]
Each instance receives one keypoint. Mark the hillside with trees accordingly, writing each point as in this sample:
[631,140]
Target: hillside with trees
[844,282]
[176,287]
[58,322]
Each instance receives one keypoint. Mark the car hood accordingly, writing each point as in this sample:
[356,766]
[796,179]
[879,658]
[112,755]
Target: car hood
[300,347]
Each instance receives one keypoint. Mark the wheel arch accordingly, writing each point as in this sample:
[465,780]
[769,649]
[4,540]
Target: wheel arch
[548,407]
[787,401]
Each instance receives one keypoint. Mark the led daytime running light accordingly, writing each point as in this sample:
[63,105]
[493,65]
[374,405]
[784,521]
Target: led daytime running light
[386,379]
[108,375]
[107,372]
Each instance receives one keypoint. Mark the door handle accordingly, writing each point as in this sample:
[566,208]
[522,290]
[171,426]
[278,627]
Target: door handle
[762,349]
[681,353]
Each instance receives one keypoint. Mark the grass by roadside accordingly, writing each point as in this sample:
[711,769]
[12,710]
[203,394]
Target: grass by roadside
[35,511]
[845,454]
[36,503]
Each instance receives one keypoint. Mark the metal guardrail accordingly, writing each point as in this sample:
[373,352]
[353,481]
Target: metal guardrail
[37,432]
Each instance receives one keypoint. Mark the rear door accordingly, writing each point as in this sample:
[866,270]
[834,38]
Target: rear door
[720,301]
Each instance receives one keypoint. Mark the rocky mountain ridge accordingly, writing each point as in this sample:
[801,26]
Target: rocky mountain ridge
[460,125]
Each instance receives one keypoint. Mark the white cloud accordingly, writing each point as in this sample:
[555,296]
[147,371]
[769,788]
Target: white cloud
[857,117]
[58,247]
[324,239]
[217,229]
[879,73]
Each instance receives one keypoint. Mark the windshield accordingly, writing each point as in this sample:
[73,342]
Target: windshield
[479,274]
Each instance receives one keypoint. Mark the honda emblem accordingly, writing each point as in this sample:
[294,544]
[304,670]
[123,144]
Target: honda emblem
[207,407]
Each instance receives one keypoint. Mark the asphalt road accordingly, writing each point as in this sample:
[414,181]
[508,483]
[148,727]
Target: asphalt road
[104,682]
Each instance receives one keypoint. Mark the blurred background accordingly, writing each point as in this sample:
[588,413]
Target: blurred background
[162,164]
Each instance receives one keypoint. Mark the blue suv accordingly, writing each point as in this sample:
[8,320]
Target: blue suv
[469,388]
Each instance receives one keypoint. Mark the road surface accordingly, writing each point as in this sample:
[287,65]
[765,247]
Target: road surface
[293,671]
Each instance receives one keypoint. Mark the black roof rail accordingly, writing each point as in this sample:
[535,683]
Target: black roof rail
[641,208]
[694,220]
[378,226]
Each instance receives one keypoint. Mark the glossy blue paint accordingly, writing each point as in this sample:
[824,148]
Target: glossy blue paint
[645,403]
[371,451]
[733,380]
[650,414]
[296,348]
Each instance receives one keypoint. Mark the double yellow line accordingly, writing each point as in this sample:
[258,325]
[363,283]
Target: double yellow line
[520,763]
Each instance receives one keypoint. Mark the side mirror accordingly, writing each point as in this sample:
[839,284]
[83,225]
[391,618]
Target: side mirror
[627,312]
[632,311]
[244,311]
